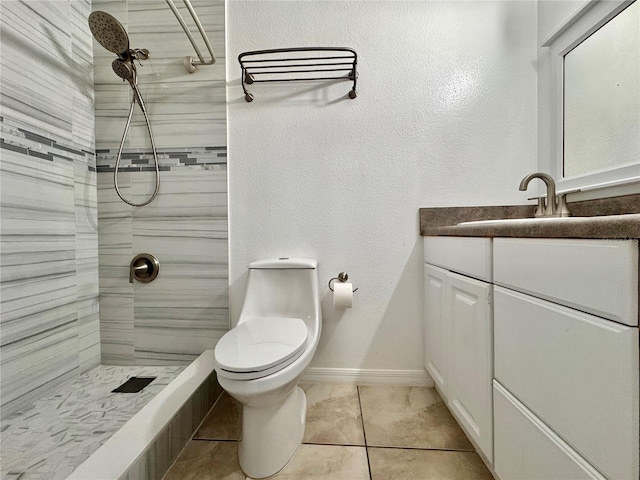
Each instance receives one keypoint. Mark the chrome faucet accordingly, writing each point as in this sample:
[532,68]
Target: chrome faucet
[555,205]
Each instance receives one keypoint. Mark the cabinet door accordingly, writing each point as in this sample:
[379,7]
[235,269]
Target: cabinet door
[436,325]
[471,367]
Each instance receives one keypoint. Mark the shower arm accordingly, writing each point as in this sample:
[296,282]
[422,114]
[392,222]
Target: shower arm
[189,62]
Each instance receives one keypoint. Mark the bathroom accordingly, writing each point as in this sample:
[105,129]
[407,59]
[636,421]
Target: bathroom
[452,110]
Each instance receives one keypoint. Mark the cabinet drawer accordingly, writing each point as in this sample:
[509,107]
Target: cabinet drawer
[577,372]
[466,255]
[595,276]
[526,449]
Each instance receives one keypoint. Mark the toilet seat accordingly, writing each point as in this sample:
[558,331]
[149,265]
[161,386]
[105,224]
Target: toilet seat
[259,347]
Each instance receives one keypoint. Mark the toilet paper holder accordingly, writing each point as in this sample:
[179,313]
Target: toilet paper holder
[342,277]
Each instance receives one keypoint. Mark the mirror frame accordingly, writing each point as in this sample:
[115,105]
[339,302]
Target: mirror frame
[587,20]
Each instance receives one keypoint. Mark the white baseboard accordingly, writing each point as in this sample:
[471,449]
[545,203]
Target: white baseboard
[413,378]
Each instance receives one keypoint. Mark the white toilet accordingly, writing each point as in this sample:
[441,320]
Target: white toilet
[260,361]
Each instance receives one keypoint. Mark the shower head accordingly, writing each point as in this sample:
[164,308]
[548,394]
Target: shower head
[124,69]
[109,33]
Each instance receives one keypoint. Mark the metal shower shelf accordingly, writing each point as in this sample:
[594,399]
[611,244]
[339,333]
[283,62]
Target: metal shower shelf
[298,64]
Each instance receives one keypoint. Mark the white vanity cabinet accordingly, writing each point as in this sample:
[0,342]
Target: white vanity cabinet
[566,390]
[458,331]
[534,344]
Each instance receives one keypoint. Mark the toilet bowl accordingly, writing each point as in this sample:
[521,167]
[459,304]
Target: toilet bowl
[261,359]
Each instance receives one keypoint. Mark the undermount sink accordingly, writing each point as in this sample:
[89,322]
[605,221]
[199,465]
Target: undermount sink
[515,221]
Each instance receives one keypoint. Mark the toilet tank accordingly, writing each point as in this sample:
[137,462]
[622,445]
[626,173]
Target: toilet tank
[282,288]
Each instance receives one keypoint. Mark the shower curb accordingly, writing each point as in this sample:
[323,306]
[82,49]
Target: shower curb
[146,446]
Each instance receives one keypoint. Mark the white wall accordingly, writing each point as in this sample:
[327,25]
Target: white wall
[445,115]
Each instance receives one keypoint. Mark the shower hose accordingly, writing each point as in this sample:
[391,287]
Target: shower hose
[136,98]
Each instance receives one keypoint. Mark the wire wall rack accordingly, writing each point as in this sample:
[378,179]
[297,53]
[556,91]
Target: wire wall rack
[298,64]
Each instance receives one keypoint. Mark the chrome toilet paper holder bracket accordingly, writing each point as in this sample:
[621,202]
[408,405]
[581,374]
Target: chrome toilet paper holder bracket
[342,277]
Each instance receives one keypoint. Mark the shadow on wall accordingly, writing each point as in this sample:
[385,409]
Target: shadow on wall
[401,333]
[318,93]
[389,331]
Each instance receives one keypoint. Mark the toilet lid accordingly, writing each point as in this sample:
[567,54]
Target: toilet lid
[261,343]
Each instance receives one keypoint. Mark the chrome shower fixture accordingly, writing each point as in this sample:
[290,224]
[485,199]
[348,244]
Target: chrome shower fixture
[110,33]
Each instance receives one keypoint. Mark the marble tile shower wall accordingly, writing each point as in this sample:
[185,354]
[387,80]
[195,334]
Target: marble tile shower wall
[49,325]
[185,310]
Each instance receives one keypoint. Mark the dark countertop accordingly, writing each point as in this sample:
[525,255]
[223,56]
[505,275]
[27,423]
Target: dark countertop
[613,226]
[617,217]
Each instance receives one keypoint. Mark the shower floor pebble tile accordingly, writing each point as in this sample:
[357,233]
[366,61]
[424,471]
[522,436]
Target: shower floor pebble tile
[351,433]
[48,440]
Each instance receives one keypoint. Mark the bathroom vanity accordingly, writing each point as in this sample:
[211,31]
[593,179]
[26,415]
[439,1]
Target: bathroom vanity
[532,342]
[458,330]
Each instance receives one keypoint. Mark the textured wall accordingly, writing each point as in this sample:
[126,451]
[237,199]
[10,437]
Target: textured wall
[445,115]
[185,310]
[49,248]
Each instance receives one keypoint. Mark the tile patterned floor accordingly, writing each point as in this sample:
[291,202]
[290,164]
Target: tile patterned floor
[48,440]
[352,433]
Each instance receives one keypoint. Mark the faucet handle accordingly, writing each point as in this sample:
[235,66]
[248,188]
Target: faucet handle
[144,268]
[562,210]
[540,208]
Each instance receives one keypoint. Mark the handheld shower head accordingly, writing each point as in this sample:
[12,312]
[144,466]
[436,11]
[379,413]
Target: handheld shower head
[109,32]
[124,69]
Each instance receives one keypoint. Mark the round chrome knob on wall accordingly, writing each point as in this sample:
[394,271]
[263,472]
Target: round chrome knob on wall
[144,268]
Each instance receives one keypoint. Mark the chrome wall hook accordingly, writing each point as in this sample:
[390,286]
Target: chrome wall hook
[342,277]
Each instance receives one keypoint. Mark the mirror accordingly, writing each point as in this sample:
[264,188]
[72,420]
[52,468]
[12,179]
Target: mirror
[601,116]
[594,99]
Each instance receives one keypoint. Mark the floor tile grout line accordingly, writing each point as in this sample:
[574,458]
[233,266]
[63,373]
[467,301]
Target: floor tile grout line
[215,440]
[364,432]
[334,444]
[390,447]
[424,449]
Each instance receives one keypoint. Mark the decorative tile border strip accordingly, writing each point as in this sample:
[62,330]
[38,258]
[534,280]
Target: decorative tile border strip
[141,160]
[16,137]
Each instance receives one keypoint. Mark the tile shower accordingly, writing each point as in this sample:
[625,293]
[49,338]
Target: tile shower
[185,310]
[67,241]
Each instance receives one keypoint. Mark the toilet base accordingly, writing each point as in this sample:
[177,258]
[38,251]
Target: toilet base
[271,434]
